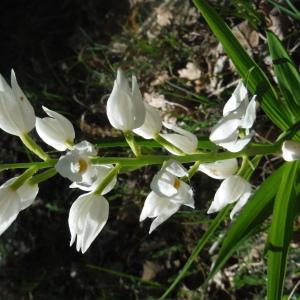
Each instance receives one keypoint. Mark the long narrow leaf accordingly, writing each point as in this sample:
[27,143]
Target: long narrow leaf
[281,230]
[286,72]
[257,81]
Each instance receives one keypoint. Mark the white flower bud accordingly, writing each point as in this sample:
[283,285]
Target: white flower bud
[125,108]
[152,124]
[220,169]
[232,189]
[186,141]
[16,113]
[56,131]
[87,216]
[291,151]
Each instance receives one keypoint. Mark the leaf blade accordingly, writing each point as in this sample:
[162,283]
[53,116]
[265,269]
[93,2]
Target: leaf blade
[281,230]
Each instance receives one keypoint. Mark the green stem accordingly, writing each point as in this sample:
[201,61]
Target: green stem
[107,179]
[22,178]
[132,144]
[190,158]
[193,169]
[166,144]
[244,165]
[34,147]
[251,150]
[42,176]
[38,165]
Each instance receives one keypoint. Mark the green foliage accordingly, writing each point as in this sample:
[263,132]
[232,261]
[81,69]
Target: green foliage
[281,229]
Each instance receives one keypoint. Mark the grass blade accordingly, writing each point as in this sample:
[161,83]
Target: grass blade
[286,72]
[257,81]
[281,230]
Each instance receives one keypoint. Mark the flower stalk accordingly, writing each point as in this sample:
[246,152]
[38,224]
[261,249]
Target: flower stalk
[107,179]
[42,176]
[33,147]
[22,178]
[132,144]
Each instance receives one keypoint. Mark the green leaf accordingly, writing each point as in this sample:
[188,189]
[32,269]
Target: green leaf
[256,80]
[258,208]
[291,12]
[281,230]
[286,72]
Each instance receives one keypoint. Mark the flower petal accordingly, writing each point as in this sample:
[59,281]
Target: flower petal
[125,109]
[96,219]
[239,144]
[26,109]
[240,204]
[220,169]
[9,207]
[159,208]
[290,151]
[250,114]
[230,190]
[176,168]
[226,130]
[163,184]
[239,95]
[152,124]
[184,196]
[87,217]
[27,193]
[56,131]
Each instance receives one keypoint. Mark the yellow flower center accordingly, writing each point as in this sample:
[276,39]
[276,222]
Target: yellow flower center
[177,183]
[81,165]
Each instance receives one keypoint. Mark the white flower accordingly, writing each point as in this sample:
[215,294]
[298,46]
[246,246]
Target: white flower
[232,189]
[182,139]
[87,216]
[167,195]
[290,151]
[220,169]
[76,166]
[152,124]
[12,202]
[125,108]
[16,113]
[238,97]
[56,131]
[238,113]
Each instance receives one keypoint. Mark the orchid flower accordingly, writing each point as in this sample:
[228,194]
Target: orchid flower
[182,139]
[87,217]
[152,124]
[232,189]
[167,195]
[16,113]
[55,130]
[220,169]
[291,151]
[13,201]
[76,166]
[238,113]
[125,108]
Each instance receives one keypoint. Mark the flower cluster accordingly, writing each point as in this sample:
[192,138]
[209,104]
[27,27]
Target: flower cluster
[127,112]
[238,117]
